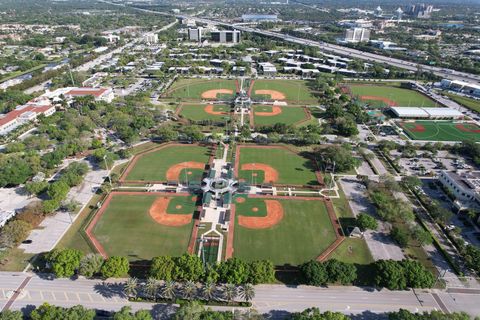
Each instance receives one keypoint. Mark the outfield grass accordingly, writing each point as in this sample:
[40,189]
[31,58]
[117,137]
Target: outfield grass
[403,97]
[289,115]
[440,131]
[198,113]
[126,228]
[294,90]
[193,88]
[153,166]
[291,167]
[303,234]
[465,101]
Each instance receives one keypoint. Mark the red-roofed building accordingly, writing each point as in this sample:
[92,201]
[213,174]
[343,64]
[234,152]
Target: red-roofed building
[100,94]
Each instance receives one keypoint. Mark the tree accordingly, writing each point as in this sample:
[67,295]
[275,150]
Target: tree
[422,236]
[247,292]
[151,288]
[58,190]
[14,232]
[315,314]
[90,265]
[416,274]
[191,310]
[188,267]
[390,274]
[400,236]
[230,292]
[36,188]
[126,314]
[261,271]
[189,289]
[340,272]
[314,272]
[339,157]
[208,291]
[64,262]
[168,290]
[412,181]
[11,315]
[130,287]
[366,222]
[167,133]
[115,267]
[234,271]
[162,268]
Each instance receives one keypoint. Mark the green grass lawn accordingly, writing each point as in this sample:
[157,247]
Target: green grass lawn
[153,166]
[465,101]
[193,88]
[353,251]
[198,113]
[303,234]
[291,167]
[289,115]
[126,228]
[403,97]
[440,131]
[294,90]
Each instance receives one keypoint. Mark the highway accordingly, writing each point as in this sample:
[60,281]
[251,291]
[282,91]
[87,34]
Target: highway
[327,47]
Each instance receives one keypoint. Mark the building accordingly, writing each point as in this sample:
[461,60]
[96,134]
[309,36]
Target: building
[226,36]
[378,11]
[25,113]
[461,86]
[150,38]
[259,18]
[464,185]
[421,11]
[426,113]
[399,14]
[195,34]
[356,35]
[267,68]
[99,94]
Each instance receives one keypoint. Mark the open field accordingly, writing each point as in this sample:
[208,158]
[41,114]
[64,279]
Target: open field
[202,89]
[289,90]
[465,101]
[274,164]
[127,226]
[168,162]
[203,112]
[269,115]
[383,96]
[302,234]
[441,130]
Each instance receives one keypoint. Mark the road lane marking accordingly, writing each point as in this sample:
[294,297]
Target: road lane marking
[17,293]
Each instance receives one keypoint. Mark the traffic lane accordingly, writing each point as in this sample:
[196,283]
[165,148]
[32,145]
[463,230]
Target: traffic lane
[456,302]
[9,282]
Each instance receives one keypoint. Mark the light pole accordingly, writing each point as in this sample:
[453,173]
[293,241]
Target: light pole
[108,170]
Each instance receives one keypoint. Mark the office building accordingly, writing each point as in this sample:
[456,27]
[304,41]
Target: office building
[150,38]
[195,34]
[421,11]
[355,35]
[226,36]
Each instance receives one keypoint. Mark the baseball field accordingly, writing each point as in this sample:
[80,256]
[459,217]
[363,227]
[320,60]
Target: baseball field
[176,162]
[289,90]
[431,130]
[273,164]
[269,115]
[202,112]
[202,89]
[281,230]
[143,225]
[387,96]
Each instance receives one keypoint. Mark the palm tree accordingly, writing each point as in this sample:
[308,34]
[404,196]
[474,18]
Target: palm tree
[151,288]
[247,292]
[208,291]
[168,291]
[230,292]
[130,287]
[189,290]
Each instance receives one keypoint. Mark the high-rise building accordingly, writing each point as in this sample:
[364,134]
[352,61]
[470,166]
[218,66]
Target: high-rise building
[355,35]
[421,10]
[226,36]
[399,13]
[195,34]
[150,38]
[378,11]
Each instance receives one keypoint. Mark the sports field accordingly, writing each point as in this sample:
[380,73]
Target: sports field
[128,228]
[290,90]
[431,130]
[203,112]
[169,162]
[202,89]
[269,115]
[303,232]
[384,96]
[274,164]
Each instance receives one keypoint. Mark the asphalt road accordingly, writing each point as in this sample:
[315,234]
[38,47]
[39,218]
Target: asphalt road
[274,299]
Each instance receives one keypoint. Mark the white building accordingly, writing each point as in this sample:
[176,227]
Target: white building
[69,93]
[226,36]
[150,38]
[461,86]
[356,35]
[267,68]
[464,185]
[195,34]
[426,113]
